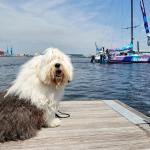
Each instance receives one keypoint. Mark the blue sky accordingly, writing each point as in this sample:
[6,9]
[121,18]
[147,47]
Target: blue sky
[71,25]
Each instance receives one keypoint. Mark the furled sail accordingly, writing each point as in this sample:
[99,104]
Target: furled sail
[124,48]
[145,21]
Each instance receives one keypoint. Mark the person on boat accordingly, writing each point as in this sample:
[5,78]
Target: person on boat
[108,54]
[101,58]
[93,59]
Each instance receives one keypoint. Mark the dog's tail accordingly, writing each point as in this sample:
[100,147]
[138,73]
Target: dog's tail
[19,120]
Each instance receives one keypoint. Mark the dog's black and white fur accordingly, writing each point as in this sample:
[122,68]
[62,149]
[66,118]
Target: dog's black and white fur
[32,100]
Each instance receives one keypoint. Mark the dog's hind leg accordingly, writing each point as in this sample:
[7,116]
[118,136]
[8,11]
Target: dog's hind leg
[19,120]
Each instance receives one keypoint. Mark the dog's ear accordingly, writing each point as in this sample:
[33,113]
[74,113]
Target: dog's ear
[37,66]
[70,72]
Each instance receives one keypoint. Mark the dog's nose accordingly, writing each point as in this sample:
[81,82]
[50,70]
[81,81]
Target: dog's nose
[57,65]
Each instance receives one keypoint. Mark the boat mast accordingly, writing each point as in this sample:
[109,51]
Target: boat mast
[132,21]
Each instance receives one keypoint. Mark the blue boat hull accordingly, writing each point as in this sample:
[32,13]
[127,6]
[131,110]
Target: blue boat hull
[130,59]
[126,59]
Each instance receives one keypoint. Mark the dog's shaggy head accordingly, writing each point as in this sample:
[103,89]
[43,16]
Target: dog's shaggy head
[55,68]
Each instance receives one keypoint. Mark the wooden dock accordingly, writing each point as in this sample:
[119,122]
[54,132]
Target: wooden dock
[101,125]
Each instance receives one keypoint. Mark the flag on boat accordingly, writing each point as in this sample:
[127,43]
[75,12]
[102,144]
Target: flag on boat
[145,21]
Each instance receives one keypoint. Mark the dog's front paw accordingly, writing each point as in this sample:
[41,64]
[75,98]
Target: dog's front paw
[55,123]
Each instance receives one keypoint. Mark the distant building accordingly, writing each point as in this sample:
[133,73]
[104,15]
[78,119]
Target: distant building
[11,51]
[7,52]
[1,53]
[77,55]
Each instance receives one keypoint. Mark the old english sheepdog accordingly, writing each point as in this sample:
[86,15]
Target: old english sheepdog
[32,100]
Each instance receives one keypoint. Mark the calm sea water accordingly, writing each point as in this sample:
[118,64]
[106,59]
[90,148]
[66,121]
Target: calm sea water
[129,83]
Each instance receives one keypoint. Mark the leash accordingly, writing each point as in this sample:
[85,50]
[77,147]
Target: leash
[60,114]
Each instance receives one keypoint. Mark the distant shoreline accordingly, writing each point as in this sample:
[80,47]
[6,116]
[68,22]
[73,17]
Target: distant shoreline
[16,56]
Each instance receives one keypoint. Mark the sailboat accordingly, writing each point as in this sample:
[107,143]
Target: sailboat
[126,54]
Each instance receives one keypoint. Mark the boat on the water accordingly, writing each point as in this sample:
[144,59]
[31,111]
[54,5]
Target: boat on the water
[126,54]
[129,57]
[122,57]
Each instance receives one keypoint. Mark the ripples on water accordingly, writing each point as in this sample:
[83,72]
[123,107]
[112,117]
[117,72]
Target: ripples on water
[129,83]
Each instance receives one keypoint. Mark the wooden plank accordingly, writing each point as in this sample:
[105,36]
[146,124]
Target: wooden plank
[136,119]
[92,125]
